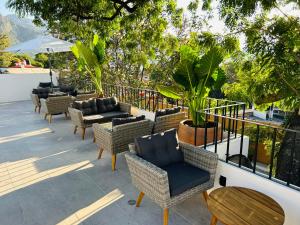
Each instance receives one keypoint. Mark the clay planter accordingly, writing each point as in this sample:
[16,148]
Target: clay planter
[186,133]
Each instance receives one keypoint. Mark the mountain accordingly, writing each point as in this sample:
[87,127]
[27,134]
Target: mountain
[19,29]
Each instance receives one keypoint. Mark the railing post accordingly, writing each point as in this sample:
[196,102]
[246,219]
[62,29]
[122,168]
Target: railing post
[290,173]
[256,148]
[272,152]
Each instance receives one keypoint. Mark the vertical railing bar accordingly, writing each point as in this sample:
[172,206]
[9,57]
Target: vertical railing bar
[256,149]
[242,143]
[236,123]
[292,160]
[272,152]
[205,131]
[195,132]
[228,139]
[217,128]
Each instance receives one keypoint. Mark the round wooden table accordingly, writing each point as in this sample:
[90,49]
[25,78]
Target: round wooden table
[243,206]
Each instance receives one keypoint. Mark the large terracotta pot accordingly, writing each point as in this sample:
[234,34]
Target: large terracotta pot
[186,133]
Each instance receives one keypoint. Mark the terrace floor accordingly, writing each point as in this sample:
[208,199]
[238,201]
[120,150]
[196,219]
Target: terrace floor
[48,175]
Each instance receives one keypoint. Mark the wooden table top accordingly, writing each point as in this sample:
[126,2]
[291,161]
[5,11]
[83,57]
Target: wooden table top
[243,206]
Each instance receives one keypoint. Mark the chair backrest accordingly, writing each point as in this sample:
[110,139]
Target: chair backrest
[59,104]
[82,97]
[125,134]
[166,122]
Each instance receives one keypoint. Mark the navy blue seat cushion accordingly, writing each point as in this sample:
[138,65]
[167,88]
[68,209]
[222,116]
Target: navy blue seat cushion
[120,121]
[107,104]
[45,84]
[68,89]
[183,176]
[41,92]
[169,111]
[161,149]
[87,107]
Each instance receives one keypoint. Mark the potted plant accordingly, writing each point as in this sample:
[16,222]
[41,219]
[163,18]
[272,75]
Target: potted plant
[195,76]
[90,59]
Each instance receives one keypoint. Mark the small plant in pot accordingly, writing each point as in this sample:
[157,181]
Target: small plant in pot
[195,76]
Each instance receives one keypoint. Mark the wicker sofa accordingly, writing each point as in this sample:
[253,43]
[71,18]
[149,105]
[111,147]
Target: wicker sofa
[158,182]
[167,121]
[55,105]
[98,110]
[115,139]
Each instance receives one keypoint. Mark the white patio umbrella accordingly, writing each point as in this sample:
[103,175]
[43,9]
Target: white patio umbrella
[41,44]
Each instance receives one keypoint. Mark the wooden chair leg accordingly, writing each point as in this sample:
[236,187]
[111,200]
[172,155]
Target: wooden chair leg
[39,109]
[75,129]
[113,162]
[45,117]
[35,108]
[83,133]
[139,200]
[94,139]
[213,220]
[205,195]
[100,153]
[50,118]
[66,115]
[166,216]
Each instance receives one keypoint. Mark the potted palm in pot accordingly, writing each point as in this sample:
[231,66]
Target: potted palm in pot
[195,76]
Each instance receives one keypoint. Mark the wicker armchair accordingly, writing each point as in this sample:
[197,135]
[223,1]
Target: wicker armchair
[153,181]
[116,139]
[36,102]
[55,105]
[79,121]
[167,122]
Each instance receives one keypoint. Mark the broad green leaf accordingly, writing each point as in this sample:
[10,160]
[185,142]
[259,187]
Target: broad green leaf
[170,92]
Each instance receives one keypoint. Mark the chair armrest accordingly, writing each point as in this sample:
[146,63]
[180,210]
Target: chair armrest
[103,135]
[44,106]
[200,158]
[76,116]
[125,107]
[148,178]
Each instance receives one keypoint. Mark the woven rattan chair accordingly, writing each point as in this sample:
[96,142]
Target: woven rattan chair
[167,122]
[116,139]
[36,102]
[55,105]
[153,181]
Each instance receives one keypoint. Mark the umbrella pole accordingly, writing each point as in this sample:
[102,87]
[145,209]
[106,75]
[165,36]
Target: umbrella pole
[50,68]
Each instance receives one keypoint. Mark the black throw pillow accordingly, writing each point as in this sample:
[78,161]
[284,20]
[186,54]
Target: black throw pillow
[44,84]
[173,110]
[161,149]
[87,107]
[120,121]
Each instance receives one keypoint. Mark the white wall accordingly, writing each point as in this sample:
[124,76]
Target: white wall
[288,198]
[261,115]
[18,87]
[234,147]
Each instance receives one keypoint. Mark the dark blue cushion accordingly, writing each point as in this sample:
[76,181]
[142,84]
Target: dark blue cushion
[120,121]
[87,107]
[169,111]
[183,176]
[41,92]
[107,105]
[45,84]
[160,149]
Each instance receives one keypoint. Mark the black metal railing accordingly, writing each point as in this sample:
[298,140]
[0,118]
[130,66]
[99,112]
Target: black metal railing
[230,127]
[262,137]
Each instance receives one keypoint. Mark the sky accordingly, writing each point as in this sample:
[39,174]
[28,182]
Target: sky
[3,10]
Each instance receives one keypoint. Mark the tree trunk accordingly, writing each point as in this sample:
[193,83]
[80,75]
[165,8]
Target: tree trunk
[284,159]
